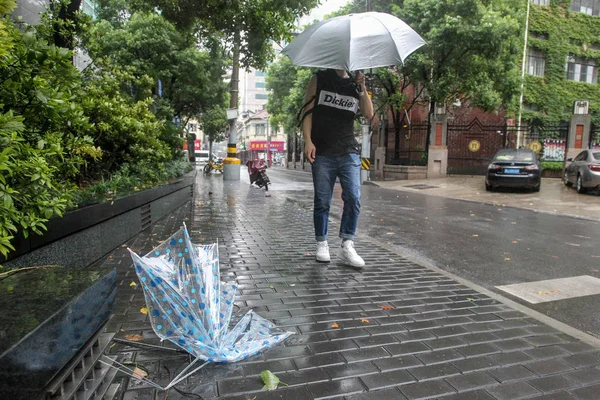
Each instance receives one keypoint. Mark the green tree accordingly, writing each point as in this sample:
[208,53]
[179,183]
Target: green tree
[249,25]
[187,80]
[287,84]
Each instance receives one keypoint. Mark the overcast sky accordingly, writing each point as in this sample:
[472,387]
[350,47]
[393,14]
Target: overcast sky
[326,7]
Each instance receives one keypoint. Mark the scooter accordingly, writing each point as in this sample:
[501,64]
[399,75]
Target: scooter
[257,169]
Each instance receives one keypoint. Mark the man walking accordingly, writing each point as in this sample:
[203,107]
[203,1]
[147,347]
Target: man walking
[332,101]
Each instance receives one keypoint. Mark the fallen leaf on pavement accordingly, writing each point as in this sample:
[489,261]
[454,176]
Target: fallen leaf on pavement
[144,310]
[543,292]
[390,233]
[514,242]
[139,373]
[364,321]
[133,284]
[506,259]
[387,307]
[308,254]
[134,338]
[475,235]
[270,380]
[470,299]
[335,325]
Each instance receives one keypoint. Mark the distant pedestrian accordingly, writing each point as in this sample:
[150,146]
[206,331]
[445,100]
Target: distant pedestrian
[332,100]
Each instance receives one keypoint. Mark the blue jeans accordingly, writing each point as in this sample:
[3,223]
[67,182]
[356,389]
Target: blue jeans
[325,170]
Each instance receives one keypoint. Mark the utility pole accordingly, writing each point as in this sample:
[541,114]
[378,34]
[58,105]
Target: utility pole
[523,67]
[231,164]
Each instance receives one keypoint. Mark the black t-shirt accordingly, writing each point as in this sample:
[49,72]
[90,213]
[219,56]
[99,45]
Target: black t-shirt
[336,105]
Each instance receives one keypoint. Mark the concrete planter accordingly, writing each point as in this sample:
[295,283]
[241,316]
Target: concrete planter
[551,173]
[404,172]
[83,236]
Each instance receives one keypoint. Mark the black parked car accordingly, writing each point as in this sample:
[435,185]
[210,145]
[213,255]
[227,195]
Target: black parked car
[515,168]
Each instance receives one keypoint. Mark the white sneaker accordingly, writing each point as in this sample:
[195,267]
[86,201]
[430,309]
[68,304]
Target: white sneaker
[348,255]
[323,252]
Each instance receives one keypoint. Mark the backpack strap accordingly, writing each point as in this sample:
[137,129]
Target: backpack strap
[300,120]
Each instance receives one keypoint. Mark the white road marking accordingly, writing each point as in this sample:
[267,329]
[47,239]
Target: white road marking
[554,289]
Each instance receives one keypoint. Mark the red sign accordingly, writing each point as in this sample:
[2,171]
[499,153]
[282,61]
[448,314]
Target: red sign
[197,145]
[262,145]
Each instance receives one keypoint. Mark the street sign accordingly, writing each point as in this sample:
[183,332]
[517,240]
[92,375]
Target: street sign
[232,113]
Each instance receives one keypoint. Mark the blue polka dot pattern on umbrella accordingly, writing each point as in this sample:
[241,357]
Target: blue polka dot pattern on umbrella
[192,307]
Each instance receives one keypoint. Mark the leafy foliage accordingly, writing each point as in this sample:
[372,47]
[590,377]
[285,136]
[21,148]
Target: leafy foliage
[259,22]
[559,33]
[287,84]
[42,135]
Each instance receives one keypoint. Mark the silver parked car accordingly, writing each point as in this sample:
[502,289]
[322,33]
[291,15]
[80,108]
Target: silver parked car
[584,171]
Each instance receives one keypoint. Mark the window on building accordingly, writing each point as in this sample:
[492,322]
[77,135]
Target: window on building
[590,7]
[582,69]
[261,96]
[261,73]
[538,35]
[541,2]
[536,62]
[261,129]
[262,85]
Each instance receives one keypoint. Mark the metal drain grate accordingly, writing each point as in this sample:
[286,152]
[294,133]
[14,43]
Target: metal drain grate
[421,187]
[84,378]
[146,214]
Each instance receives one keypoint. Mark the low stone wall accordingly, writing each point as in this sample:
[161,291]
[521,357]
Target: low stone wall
[404,172]
[83,236]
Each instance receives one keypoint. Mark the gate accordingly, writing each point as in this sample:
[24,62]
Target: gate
[472,146]
[410,149]
[549,141]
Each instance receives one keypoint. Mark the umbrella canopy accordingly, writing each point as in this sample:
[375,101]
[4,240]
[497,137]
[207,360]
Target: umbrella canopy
[353,42]
[190,306]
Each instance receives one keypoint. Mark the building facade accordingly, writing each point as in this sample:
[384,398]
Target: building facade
[255,135]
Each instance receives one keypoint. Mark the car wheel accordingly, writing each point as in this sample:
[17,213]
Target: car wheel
[580,188]
[537,188]
[489,187]
[566,179]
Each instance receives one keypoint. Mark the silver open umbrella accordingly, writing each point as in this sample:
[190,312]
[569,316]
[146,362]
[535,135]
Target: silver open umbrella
[353,42]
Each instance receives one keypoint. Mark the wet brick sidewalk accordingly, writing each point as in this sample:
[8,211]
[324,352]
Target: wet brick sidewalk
[396,330]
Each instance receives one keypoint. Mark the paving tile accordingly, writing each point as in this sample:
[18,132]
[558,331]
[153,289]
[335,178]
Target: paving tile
[513,391]
[320,360]
[357,369]
[512,373]
[555,396]
[475,364]
[440,356]
[511,358]
[478,350]
[365,354]
[407,348]
[273,366]
[403,362]
[437,371]
[327,390]
[552,383]
[585,376]
[331,346]
[472,381]
[426,390]
[587,393]
[304,376]
[549,367]
[472,395]
[583,359]
[387,379]
[387,394]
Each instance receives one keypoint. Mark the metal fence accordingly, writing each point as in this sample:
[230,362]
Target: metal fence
[595,136]
[549,141]
[407,148]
